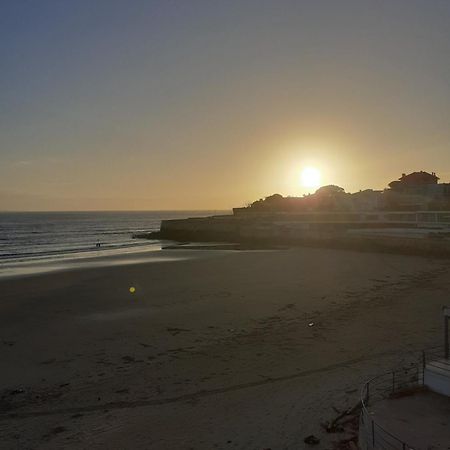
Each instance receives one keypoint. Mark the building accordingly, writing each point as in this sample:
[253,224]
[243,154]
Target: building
[413,181]
[417,191]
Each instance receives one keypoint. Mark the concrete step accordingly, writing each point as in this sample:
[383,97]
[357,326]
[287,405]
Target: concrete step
[437,376]
[441,366]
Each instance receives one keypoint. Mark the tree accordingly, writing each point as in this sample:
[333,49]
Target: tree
[274,198]
[330,190]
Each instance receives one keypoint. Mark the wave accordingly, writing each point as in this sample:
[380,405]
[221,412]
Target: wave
[71,251]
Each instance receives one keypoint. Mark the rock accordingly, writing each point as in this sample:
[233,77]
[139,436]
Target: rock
[311,440]
[17,391]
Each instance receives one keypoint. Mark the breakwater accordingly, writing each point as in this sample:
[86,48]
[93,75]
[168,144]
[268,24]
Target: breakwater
[352,231]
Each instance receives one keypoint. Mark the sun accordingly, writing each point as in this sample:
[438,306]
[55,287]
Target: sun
[310,177]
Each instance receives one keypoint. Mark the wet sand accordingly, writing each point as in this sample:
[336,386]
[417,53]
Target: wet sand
[219,349]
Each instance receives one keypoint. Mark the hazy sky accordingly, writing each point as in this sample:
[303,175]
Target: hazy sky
[211,104]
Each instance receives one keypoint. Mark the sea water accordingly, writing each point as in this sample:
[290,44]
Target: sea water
[42,237]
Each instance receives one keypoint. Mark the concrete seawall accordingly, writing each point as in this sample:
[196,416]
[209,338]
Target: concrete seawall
[273,231]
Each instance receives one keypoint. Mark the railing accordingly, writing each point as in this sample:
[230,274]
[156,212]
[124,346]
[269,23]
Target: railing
[372,435]
[436,357]
[403,217]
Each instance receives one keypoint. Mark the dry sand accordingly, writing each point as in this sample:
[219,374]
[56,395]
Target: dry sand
[211,351]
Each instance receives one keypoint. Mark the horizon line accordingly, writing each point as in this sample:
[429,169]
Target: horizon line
[109,210]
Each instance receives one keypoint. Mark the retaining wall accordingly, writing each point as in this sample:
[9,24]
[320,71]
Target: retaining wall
[256,230]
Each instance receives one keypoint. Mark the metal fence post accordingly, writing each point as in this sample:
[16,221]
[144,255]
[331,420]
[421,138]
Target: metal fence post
[373,434]
[393,381]
[446,343]
[423,367]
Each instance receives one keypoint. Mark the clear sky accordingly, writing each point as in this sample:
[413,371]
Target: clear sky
[212,104]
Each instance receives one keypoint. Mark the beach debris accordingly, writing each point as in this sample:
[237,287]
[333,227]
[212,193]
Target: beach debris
[17,391]
[132,289]
[311,440]
[349,415]
[311,324]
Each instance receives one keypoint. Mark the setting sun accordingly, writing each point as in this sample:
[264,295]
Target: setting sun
[310,177]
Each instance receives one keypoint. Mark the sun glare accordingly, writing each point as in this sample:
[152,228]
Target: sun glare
[310,177]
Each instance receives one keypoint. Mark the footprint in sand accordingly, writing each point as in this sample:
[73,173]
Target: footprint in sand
[287,307]
[175,331]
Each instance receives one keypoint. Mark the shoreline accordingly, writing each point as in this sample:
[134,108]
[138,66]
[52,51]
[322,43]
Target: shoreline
[158,253]
[166,250]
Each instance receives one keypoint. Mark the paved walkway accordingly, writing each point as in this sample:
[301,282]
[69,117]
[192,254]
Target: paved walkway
[422,419]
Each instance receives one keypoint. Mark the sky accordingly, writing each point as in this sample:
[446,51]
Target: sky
[141,105]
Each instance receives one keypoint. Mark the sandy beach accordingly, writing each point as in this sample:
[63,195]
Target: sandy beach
[215,349]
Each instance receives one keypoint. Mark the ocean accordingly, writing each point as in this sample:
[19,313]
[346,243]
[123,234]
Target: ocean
[44,236]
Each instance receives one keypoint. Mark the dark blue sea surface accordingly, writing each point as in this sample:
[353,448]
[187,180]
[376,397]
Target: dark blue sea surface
[55,235]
